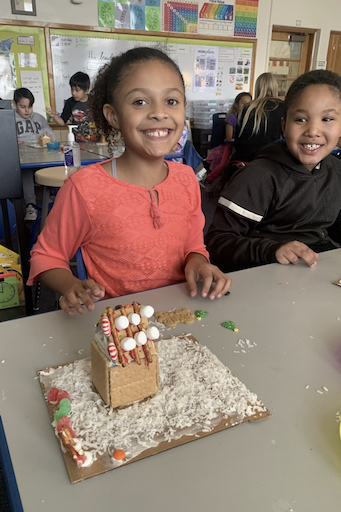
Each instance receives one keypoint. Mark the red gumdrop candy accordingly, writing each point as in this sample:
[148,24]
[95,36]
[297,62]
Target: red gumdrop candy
[63,394]
[65,421]
[52,395]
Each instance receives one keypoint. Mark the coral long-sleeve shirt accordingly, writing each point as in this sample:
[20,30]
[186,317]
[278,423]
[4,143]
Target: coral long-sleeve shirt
[128,243]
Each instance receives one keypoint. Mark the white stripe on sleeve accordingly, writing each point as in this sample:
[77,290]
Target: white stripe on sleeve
[241,211]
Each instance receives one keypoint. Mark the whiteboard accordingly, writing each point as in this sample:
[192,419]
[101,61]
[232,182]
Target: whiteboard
[212,69]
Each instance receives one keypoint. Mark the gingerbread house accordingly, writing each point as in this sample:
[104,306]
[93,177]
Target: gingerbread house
[124,360]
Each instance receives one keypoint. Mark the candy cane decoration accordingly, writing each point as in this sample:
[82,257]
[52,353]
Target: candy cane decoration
[106,326]
[116,340]
[112,351]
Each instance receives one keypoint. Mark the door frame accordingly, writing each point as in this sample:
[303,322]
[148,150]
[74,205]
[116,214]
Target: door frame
[307,46]
[331,56]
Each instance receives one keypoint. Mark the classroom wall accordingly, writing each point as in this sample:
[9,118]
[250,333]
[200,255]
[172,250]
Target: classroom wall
[317,14]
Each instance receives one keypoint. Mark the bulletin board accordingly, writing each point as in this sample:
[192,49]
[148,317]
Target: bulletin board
[212,69]
[23,63]
[43,57]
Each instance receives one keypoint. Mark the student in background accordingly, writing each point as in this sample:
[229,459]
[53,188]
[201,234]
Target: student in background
[30,126]
[285,204]
[76,109]
[259,124]
[216,154]
[231,116]
[137,218]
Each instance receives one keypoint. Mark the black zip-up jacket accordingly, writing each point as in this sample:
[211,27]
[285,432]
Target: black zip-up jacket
[272,201]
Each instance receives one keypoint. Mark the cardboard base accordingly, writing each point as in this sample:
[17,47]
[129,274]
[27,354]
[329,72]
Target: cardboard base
[78,474]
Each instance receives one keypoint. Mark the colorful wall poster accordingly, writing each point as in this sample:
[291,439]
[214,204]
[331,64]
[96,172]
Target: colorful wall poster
[216,17]
[245,24]
[130,14]
[180,16]
[235,19]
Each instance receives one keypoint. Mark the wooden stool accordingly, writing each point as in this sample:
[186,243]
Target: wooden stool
[49,177]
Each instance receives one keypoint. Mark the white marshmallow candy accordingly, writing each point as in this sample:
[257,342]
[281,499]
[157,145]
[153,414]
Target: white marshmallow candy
[88,460]
[153,333]
[146,311]
[121,322]
[128,344]
[134,318]
[140,338]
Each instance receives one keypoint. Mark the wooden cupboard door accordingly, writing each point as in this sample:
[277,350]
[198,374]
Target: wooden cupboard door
[334,52]
[290,55]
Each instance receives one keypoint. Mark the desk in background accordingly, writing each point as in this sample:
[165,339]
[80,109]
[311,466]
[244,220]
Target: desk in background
[90,153]
[291,460]
[37,158]
[102,150]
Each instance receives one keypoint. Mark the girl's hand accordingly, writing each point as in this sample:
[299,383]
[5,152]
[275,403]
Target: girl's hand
[198,269]
[81,293]
[292,251]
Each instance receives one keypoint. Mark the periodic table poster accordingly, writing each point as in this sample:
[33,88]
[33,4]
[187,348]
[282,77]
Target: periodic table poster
[232,18]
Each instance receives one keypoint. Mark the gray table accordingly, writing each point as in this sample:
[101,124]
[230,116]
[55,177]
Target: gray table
[91,152]
[290,461]
[42,157]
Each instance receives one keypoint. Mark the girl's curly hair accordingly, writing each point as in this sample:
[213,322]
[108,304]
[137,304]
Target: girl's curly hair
[111,75]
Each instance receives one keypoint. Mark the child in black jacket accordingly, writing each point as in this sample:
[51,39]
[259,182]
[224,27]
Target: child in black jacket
[284,205]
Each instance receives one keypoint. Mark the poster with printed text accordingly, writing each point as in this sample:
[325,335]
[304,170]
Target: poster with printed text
[234,18]
[205,69]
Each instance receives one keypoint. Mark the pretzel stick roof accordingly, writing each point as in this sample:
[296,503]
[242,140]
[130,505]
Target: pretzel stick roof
[130,333]
[140,328]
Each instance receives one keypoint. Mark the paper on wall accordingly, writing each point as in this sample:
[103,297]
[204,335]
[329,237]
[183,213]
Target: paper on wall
[28,60]
[8,82]
[33,81]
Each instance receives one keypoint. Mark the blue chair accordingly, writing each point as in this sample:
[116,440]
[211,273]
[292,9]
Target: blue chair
[37,221]
[11,219]
[191,156]
[218,129]
[81,270]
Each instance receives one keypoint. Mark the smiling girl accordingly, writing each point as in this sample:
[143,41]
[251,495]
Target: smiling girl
[138,218]
[285,204]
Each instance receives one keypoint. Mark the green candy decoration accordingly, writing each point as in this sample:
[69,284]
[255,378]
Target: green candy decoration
[200,314]
[230,325]
[64,409]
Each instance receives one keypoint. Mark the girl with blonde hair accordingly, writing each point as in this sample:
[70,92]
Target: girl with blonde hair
[259,124]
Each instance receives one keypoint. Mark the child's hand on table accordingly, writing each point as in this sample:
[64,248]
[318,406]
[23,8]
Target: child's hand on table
[292,251]
[81,293]
[197,268]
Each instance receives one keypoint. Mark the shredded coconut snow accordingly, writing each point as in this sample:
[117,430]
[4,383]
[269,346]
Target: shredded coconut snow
[196,392]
